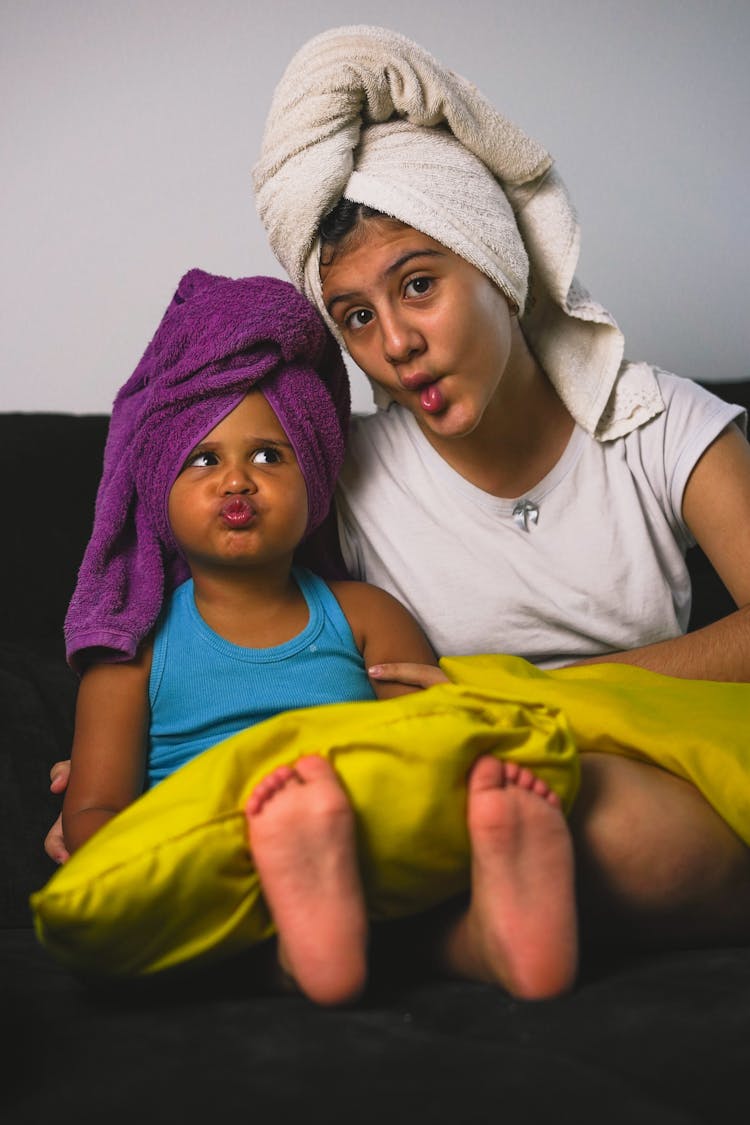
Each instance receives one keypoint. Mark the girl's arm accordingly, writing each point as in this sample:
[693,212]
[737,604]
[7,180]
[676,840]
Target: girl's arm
[716,508]
[109,746]
[384,631]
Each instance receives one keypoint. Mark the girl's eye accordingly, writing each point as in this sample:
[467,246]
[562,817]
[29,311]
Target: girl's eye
[418,286]
[201,460]
[266,456]
[357,319]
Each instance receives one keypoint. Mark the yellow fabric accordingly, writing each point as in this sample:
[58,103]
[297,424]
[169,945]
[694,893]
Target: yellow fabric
[171,879]
[696,729]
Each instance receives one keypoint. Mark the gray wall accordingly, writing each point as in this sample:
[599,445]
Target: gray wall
[129,127]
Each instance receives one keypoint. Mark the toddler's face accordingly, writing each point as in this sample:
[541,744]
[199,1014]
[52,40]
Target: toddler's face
[240,499]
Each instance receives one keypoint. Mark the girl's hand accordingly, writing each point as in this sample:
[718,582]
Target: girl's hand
[411,675]
[59,776]
[54,841]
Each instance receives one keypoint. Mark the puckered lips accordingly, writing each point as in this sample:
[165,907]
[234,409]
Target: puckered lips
[431,397]
[237,512]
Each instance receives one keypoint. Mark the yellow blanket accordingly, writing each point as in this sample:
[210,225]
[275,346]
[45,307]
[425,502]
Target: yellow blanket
[171,879]
[696,729]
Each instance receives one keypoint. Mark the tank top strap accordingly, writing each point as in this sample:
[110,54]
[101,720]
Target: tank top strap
[318,595]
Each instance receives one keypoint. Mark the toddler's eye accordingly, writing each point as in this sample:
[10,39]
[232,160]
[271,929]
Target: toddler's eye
[266,456]
[418,286]
[357,319]
[201,459]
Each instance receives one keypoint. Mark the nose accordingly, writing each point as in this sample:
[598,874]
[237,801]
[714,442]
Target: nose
[238,479]
[402,340]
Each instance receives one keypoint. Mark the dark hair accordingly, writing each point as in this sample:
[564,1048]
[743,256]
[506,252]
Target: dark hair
[341,223]
[342,220]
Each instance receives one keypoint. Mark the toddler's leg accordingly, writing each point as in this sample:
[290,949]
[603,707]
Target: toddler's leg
[302,836]
[520,930]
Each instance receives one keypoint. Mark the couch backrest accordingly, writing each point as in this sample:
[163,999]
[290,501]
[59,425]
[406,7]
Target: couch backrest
[50,466]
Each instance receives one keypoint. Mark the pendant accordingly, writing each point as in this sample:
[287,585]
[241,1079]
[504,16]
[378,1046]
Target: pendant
[525,512]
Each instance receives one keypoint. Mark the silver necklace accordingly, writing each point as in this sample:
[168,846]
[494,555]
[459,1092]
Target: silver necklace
[524,513]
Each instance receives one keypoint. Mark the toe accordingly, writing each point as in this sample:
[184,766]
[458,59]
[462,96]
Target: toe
[487,773]
[540,787]
[253,804]
[511,772]
[313,767]
[526,779]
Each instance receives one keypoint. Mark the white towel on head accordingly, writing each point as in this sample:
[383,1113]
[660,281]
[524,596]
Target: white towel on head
[348,79]
[428,180]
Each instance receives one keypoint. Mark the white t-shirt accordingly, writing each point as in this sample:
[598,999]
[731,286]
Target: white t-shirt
[596,564]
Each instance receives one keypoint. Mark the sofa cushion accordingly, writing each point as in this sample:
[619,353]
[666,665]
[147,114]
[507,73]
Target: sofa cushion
[37,695]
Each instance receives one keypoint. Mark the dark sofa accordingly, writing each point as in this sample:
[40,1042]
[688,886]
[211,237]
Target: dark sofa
[660,1038]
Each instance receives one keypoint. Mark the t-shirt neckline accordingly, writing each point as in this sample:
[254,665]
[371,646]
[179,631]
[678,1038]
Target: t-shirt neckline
[500,504]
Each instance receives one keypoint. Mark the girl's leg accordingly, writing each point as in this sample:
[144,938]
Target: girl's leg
[656,865]
[302,836]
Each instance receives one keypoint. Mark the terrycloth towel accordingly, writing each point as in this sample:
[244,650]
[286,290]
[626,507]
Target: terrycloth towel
[346,80]
[429,180]
[218,338]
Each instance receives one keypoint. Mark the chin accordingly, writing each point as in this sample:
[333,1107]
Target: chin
[454,422]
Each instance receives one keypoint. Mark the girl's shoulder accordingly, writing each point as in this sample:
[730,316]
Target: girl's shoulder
[107,676]
[692,418]
[362,596]
[369,608]
[384,629]
[689,405]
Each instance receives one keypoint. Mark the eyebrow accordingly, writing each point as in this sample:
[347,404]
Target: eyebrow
[387,272]
[251,439]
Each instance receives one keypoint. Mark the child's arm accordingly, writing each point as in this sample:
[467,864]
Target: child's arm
[384,631]
[109,746]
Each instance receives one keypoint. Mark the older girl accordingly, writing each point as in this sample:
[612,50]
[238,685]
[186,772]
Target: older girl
[522,487]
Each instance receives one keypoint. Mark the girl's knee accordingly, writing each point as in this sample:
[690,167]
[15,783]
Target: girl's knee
[651,838]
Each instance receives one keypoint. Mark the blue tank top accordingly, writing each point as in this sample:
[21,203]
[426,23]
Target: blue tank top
[202,689]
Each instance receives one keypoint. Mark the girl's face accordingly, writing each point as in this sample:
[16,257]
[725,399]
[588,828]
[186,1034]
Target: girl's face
[420,322]
[240,498]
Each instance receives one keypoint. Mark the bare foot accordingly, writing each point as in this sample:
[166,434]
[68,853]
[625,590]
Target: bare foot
[302,838]
[520,930]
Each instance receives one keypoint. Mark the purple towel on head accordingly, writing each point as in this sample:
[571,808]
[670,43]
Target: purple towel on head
[218,338]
